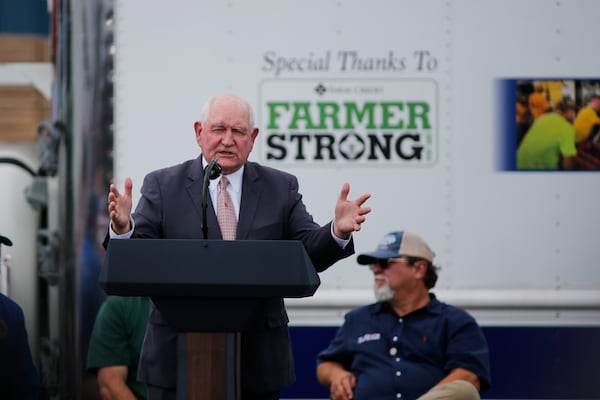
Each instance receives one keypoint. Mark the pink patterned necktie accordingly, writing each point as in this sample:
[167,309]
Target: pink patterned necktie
[226,212]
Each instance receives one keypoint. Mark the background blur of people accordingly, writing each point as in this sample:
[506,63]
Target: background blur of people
[523,117]
[550,142]
[556,90]
[538,102]
[587,121]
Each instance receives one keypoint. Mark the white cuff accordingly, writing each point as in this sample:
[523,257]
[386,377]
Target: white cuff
[126,235]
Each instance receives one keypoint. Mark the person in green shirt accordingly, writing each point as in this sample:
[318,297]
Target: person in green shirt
[550,142]
[115,347]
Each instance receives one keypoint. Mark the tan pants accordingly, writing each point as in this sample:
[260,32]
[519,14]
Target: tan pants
[455,390]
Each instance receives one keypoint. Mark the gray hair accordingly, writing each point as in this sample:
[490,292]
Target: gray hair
[205,111]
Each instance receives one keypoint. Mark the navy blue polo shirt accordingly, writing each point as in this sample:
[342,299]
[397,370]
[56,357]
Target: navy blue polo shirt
[396,357]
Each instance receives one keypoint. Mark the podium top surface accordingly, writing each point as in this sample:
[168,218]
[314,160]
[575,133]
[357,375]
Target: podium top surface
[208,268]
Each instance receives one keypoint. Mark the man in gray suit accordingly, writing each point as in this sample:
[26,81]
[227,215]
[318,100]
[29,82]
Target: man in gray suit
[268,206]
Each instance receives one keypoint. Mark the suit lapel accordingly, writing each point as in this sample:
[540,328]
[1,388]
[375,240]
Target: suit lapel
[194,190]
[251,189]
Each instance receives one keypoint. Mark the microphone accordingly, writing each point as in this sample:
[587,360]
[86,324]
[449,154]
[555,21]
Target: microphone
[212,171]
[5,240]
[213,168]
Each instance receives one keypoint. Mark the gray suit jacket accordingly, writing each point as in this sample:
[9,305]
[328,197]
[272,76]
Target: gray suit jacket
[271,209]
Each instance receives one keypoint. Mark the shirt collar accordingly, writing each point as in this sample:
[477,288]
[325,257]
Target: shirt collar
[235,179]
[433,307]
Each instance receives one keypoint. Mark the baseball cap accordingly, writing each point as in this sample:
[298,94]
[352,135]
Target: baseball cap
[398,243]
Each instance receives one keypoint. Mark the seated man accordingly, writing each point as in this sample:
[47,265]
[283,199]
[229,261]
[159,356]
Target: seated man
[19,378]
[408,344]
[116,344]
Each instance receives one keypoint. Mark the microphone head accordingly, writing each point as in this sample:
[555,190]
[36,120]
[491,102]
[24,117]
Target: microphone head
[5,240]
[215,171]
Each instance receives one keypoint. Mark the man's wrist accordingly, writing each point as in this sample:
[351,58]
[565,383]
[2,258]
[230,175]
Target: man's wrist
[115,234]
[341,242]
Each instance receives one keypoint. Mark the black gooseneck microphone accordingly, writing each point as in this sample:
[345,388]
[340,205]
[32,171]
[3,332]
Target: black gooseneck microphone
[212,171]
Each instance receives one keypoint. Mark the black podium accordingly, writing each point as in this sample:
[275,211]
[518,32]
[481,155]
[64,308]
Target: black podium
[208,290]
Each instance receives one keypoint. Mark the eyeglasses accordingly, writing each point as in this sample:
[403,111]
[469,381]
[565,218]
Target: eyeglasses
[385,263]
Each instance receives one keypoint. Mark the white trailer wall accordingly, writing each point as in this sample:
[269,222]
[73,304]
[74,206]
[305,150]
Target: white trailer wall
[505,239]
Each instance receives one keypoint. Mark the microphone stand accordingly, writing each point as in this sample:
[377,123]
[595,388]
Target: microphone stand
[192,347]
[212,171]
